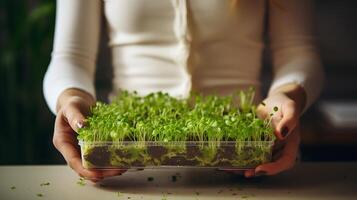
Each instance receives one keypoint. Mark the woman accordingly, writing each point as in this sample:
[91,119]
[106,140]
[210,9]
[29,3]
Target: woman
[181,45]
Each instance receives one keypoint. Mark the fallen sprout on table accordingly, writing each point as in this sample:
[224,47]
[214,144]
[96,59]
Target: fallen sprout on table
[81,181]
[45,184]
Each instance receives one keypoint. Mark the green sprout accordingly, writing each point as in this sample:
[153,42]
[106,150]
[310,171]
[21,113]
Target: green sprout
[45,184]
[81,182]
[160,117]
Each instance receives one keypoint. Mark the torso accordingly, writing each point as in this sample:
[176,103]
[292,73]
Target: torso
[170,46]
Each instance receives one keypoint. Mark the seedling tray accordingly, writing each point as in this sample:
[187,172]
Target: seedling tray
[189,154]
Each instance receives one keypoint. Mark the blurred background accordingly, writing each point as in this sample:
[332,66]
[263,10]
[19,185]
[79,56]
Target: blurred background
[26,124]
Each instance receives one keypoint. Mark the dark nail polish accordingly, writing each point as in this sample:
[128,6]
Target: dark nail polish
[260,173]
[285,131]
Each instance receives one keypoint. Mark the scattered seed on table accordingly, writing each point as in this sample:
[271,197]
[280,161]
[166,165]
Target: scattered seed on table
[39,195]
[150,178]
[13,187]
[45,184]
[81,182]
[247,196]
[173,178]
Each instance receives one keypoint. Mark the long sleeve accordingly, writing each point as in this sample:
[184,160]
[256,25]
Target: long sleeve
[294,54]
[74,51]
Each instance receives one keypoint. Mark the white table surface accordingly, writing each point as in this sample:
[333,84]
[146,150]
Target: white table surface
[306,181]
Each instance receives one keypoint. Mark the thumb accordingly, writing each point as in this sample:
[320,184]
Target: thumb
[74,116]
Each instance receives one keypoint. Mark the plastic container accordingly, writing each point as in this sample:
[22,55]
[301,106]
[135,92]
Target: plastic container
[191,154]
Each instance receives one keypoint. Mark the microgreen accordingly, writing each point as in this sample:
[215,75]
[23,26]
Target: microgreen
[160,117]
[45,184]
[81,182]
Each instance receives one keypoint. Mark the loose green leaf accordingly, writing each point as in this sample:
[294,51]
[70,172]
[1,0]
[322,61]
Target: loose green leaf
[45,184]
[81,182]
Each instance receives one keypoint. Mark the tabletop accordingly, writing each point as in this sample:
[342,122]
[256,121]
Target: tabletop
[305,181]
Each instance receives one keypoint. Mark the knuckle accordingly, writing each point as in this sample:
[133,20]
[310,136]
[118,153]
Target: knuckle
[56,142]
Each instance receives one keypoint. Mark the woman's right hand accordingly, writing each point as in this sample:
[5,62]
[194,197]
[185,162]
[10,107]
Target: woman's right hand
[72,107]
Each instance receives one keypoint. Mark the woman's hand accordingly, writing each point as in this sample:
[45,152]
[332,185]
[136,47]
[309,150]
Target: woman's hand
[73,105]
[290,101]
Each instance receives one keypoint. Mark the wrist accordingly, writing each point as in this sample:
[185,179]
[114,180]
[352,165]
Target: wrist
[73,94]
[293,91]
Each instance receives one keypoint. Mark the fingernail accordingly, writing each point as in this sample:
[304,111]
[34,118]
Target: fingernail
[285,131]
[80,124]
[260,173]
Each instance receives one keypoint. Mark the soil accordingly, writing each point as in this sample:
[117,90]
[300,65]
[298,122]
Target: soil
[99,156]
[156,151]
[227,152]
[193,151]
[161,155]
[122,153]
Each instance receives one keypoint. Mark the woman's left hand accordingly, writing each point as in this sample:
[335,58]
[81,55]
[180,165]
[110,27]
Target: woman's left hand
[285,123]
[290,101]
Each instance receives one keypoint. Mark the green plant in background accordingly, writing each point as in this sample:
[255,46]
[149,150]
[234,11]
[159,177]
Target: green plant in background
[26,43]
[158,129]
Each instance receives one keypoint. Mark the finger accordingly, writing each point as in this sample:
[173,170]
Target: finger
[66,143]
[263,112]
[287,159]
[249,173]
[74,116]
[72,157]
[289,120]
[116,172]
